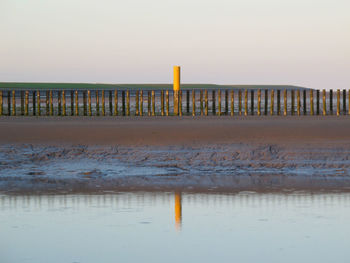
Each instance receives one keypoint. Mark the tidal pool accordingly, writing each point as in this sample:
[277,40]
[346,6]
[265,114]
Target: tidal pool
[175,227]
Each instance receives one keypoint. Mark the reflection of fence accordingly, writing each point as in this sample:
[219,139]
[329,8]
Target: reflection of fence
[161,102]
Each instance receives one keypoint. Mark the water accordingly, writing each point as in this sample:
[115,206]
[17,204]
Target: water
[169,227]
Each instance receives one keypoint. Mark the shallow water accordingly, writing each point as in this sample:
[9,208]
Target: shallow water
[175,227]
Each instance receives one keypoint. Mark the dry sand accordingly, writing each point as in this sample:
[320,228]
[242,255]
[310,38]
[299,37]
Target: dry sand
[75,154]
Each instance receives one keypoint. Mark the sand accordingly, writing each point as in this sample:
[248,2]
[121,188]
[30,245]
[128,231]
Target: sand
[99,154]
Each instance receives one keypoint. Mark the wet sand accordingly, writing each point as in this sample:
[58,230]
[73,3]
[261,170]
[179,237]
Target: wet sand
[84,154]
[167,131]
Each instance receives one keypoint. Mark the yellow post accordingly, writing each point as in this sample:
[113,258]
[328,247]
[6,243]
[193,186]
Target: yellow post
[178,210]
[153,103]
[26,101]
[176,88]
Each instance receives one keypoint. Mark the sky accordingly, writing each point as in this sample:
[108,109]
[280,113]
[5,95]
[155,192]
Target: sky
[296,42]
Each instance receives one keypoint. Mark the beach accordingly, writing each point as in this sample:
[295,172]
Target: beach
[77,154]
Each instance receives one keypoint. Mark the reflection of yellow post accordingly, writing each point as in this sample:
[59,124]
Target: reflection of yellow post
[178,210]
[176,87]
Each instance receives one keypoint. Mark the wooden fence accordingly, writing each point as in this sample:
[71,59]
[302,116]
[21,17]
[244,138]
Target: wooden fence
[161,102]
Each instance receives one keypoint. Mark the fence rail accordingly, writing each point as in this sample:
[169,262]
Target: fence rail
[169,103]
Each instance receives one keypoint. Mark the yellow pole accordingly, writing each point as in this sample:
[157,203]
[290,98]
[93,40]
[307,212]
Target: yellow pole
[324,102]
[272,102]
[285,102]
[176,88]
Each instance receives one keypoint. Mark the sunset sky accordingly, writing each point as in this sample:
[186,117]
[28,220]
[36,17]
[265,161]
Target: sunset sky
[297,42]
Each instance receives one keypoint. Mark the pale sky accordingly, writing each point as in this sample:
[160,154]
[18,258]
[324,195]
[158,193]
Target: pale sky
[297,42]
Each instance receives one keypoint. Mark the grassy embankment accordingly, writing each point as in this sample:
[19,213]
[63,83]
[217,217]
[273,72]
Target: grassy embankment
[93,86]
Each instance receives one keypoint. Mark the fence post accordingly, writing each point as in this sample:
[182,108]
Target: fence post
[219,102]
[22,102]
[187,101]
[324,102]
[77,102]
[193,103]
[201,101]
[153,103]
[252,102]
[14,103]
[89,102]
[311,102]
[47,103]
[245,102]
[9,103]
[137,103]
[331,102]
[292,102]
[128,102]
[278,102]
[226,102]
[338,102]
[180,102]
[304,101]
[110,101]
[206,102]
[240,102]
[318,102]
[72,102]
[123,103]
[213,102]
[26,102]
[162,102]
[298,102]
[285,106]
[167,102]
[141,102]
[232,102]
[98,103]
[259,102]
[1,103]
[63,103]
[266,101]
[59,105]
[149,102]
[84,103]
[102,102]
[116,102]
[344,101]
[272,102]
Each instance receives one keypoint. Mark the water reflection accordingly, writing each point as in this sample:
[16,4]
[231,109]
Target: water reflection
[178,210]
[134,227]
